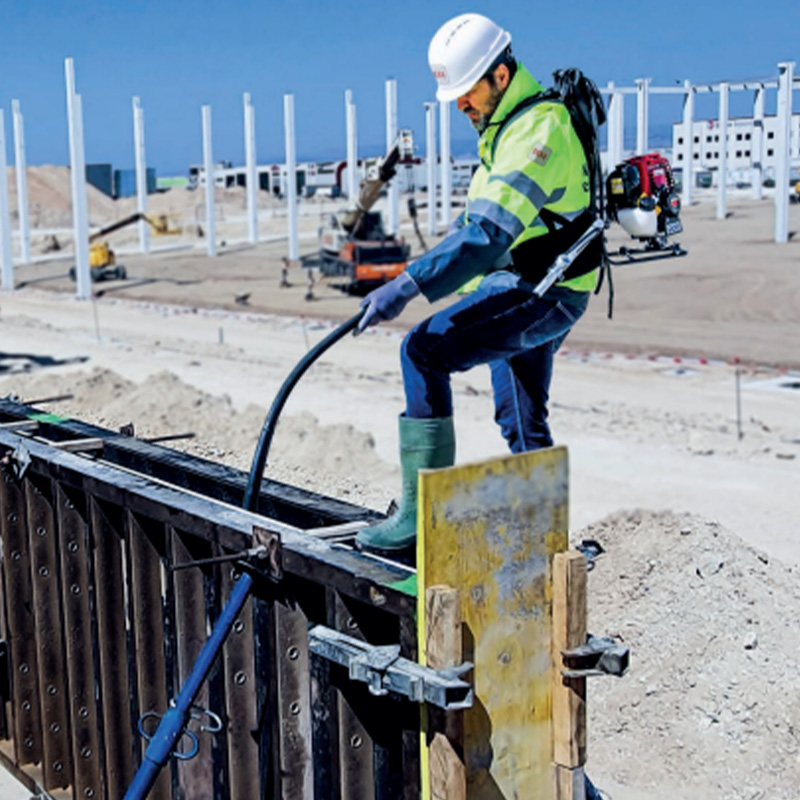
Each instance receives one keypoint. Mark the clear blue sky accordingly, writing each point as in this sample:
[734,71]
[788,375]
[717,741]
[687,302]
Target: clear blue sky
[177,55]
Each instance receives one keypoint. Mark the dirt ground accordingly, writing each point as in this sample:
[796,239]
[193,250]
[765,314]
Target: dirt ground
[695,504]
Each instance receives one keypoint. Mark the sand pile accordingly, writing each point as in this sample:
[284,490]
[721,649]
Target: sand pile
[337,460]
[50,198]
[711,705]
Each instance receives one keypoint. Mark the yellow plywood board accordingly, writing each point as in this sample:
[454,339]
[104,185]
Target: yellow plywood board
[490,530]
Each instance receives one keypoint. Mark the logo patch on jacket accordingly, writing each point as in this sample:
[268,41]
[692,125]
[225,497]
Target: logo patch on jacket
[540,154]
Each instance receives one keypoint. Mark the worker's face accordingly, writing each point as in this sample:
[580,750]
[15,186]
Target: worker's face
[481,101]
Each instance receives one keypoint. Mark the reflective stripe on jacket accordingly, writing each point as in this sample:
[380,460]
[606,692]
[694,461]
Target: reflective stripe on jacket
[537,163]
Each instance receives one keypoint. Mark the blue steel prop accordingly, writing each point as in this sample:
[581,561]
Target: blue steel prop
[172,727]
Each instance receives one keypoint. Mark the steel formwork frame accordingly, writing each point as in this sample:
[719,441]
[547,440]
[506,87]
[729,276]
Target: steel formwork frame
[102,625]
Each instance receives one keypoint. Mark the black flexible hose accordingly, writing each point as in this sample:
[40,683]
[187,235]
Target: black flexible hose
[271,421]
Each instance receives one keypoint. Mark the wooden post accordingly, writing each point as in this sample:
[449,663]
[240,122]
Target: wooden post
[446,770]
[569,694]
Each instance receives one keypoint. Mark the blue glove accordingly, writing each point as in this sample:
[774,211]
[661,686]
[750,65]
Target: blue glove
[387,301]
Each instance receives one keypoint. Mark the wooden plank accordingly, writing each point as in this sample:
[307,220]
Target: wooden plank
[20,425]
[491,530]
[570,783]
[294,703]
[443,646]
[240,700]
[79,445]
[52,673]
[75,584]
[148,629]
[569,631]
[195,776]
[107,530]
[21,621]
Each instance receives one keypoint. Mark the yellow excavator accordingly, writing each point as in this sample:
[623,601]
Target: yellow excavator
[102,259]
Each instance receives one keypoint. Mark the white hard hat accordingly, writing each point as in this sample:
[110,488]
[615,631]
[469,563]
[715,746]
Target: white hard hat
[462,50]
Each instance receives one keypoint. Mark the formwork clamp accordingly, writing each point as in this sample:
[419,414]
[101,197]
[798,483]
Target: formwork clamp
[384,670]
[600,655]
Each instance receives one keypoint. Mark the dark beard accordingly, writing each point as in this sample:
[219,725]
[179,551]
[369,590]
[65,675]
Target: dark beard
[482,123]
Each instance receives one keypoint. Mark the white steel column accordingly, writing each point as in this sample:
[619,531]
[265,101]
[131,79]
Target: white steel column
[208,164]
[80,215]
[430,165]
[616,127]
[251,172]
[758,144]
[642,114]
[782,145]
[141,174]
[352,147]
[21,169]
[393,191]
[688,143]
[6,261]
[722,172]
[291,176]
[447,171]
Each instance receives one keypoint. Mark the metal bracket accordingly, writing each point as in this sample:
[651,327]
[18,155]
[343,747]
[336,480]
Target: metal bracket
[599,656]
[19,461]
[195,712]
[384,670]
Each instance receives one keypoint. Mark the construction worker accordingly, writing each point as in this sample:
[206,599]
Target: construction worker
[527,203]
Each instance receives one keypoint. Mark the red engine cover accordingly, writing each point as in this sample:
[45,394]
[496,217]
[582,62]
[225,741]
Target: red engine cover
[655,173]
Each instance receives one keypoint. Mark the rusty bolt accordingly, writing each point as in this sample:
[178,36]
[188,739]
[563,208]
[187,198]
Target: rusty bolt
[351,624]
[294,708]
[240,678]
[88,791]
[378,598]
[41,531]
[26,705]
[238,626]
[293,653]
[24,669]
[75,589]
[356,741]
[12,517]
[83,713]
[51,690]
[58,766]
[86,752]
[29,743]
[16,555]
[73,546]
[44,572]
[55,728]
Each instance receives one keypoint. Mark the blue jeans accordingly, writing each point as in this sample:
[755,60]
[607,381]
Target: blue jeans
[502,324]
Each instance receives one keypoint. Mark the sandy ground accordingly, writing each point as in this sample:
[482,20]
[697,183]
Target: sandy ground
[696,506]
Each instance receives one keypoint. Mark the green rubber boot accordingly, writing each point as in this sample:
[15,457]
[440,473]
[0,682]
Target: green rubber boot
[424,444]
